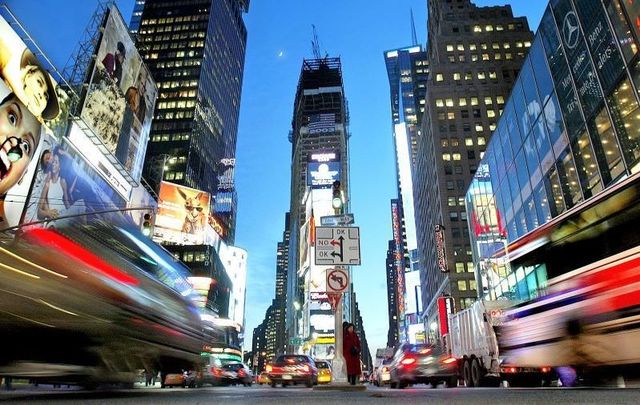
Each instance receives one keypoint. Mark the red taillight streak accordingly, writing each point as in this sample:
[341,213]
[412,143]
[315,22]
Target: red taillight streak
[54,240]
[408,361]
[546,369]
[449,360]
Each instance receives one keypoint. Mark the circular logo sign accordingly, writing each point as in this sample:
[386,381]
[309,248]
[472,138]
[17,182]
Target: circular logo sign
[570,30]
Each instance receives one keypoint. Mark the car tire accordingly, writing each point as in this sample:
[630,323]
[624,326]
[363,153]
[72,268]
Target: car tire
[393,385]
[466,373]
[402,384]
[273,385]
[309,384]
[452,382]
[476,373]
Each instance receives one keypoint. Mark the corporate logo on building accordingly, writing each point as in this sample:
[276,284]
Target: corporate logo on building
[570,30]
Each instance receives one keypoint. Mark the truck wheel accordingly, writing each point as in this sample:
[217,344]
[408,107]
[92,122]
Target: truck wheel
[476,373]
[466,373]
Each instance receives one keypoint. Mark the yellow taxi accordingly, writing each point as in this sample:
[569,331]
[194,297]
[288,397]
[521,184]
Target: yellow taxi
[324,372]
[263,378]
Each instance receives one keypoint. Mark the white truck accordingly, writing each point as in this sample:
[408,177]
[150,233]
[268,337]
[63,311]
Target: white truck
[472,340]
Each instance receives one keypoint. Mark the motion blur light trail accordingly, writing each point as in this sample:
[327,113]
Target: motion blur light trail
[54,240]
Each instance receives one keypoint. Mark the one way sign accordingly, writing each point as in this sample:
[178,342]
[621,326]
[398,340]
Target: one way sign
[338,246]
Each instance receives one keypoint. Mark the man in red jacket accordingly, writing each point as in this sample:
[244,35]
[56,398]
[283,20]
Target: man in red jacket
[351,352]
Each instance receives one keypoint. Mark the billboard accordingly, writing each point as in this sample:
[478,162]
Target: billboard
[67,190]
[118,104]
[31,106]
[227,171]
[322,175]
[182,215]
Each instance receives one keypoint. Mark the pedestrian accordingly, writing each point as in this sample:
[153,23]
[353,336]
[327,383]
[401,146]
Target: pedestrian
[351,352]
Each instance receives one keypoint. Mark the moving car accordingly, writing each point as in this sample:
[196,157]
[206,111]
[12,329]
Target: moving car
[293,369]
[184,379]
[324,372]
[381,375]
[236,373]
[422,364]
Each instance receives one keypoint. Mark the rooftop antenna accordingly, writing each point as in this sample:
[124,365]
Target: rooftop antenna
[315,44]
[414,37]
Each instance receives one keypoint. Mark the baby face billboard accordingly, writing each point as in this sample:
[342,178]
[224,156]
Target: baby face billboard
[121,94]
[183,214]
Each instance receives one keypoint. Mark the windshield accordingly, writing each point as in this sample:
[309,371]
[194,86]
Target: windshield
[322,364]
[232,366]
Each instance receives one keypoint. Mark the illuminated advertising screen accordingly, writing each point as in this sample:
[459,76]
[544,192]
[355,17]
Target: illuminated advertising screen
[67,190]
[226,170]
[322,175]
[118,104]
[182,215]
[224,202]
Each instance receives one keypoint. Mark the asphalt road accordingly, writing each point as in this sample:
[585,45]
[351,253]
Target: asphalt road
[299,395]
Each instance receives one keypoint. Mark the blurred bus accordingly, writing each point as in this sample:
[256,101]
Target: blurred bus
[93,302]
[578,281]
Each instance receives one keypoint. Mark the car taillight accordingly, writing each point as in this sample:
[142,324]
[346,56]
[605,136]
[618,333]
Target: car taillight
[546,369]
[269,368]
[306,368]
[449,360]
[408,361]
[216,371]
[241,373]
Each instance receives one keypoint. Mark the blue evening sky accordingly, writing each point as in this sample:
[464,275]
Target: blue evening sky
[279,37]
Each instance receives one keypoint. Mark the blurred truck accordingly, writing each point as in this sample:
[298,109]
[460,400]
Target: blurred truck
[473,340]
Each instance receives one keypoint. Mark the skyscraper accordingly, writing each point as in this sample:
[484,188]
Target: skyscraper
[274,318]
[408,71]
[475,54]
[195,51]
[392,294]
[320,156]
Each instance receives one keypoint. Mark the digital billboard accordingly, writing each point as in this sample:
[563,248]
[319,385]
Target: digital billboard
[120,96]
[182,215]
[322,175]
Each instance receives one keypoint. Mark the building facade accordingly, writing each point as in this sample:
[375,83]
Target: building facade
[195,50]
[475,54]
[569,132]
[393,333]
[408,70]
[320,156]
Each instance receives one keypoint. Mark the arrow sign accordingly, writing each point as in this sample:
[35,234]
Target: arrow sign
[337,246]
[337,220]
[337,280]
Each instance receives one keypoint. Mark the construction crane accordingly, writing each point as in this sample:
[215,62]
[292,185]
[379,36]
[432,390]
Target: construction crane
[315,44]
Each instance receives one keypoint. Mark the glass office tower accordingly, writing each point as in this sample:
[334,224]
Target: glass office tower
[569,131]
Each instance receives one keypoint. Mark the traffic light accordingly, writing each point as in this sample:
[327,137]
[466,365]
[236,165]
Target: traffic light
[147,224]
[337,202]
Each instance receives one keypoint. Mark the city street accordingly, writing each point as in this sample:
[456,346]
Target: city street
[300,395]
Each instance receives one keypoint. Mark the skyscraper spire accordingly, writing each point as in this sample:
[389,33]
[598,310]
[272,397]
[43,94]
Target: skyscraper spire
[414,37]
